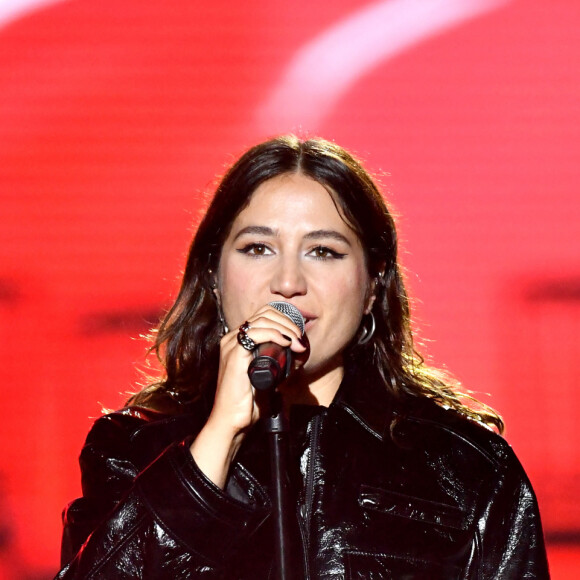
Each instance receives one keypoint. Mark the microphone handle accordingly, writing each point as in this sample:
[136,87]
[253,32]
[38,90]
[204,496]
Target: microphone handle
[271,365]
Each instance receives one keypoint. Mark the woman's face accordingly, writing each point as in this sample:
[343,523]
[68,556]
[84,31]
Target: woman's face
[290,243]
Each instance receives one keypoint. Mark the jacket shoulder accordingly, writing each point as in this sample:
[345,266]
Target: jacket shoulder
[493,475]
[436,425]
[126,420]
[140,434]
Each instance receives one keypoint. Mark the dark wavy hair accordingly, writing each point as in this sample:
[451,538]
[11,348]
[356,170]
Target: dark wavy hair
[187,340]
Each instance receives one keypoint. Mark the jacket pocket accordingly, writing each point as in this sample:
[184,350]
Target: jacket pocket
[412,508]
[405,536]
[373,566]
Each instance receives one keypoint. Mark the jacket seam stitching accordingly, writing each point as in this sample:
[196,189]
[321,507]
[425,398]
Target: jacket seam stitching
[361,421]
[490,458]
[99,566]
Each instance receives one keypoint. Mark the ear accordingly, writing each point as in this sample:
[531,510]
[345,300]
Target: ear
[374,287]
[370,301]
[371,295]
[214,286]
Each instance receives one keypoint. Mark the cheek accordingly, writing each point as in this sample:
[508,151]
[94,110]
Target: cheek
[356,289]
[238,292]
[230,278]
[350,298]
[229,283]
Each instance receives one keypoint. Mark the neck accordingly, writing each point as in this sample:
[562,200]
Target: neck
[304,388]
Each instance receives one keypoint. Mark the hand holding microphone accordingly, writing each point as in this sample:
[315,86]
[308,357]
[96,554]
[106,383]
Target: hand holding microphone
[235,407]
[272,363]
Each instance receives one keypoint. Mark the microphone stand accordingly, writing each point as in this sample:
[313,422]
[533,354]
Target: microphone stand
[278,431]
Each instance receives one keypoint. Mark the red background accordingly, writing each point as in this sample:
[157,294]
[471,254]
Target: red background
[115,118]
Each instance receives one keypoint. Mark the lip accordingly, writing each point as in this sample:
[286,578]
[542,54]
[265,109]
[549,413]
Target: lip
[309,318]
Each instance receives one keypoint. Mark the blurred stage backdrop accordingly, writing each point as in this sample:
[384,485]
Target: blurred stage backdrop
[115,118]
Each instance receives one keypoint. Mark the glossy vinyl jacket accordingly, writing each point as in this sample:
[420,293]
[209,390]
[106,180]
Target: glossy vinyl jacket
[382,490]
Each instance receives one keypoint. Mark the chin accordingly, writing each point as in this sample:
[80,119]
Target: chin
[315,368]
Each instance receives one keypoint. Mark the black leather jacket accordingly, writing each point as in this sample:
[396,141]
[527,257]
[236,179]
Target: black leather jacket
[382,489]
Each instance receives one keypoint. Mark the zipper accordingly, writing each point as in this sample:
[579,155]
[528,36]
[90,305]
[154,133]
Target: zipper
[307,495]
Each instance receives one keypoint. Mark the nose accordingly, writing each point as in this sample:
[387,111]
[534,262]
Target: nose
[288,279]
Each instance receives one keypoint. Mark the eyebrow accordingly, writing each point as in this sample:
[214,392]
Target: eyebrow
[260,230]
[313,235]
[332,234]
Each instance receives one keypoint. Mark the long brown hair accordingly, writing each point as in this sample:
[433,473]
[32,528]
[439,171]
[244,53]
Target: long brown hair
[187,340]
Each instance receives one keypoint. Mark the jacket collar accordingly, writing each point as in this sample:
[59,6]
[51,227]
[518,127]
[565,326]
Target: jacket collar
[364,396]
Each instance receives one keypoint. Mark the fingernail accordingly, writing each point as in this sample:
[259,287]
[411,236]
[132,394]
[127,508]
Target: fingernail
[287,337]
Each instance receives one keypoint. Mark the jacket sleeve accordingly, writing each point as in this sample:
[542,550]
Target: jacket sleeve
[510,537]
[107,471]
[167,520]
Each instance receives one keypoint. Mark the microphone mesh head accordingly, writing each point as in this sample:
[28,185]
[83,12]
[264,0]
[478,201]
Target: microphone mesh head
[291,312]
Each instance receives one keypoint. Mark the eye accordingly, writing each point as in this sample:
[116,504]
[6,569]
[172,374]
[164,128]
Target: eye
[255,249]
[325,253]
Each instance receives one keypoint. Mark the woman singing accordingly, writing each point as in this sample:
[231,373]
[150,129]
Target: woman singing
[391,474]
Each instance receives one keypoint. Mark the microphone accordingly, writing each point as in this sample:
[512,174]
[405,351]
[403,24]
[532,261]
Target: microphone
[272,363]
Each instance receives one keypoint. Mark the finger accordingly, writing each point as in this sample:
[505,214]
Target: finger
[266,330]
[271,318]
[254,337]
[275,314]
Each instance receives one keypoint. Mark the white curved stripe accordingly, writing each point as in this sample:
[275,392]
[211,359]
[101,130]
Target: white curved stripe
[13,9]
[326,67]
